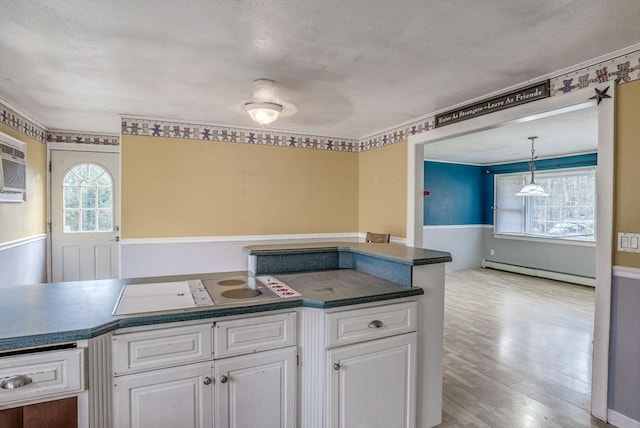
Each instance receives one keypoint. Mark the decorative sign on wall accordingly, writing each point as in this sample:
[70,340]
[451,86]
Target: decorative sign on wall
[512,99]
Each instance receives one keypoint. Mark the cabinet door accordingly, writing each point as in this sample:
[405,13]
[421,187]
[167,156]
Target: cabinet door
[256,390]
[174,397]
[373,384]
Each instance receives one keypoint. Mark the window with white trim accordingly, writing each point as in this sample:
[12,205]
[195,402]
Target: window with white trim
[88,199]
[569,212]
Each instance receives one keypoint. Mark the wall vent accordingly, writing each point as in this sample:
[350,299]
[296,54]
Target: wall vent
[13,169]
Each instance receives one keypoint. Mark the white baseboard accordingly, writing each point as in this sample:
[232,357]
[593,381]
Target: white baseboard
[574,279]
[621,421]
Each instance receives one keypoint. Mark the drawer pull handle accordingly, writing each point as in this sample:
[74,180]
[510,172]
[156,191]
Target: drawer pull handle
[375,324]
[224,379]
[15,382]
[207,380]
[336,366]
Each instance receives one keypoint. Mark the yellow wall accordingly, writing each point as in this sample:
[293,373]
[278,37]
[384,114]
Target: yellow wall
[627,169]
[22,220]
[383,190]
[181,188]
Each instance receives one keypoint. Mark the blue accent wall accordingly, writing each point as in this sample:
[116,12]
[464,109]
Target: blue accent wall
[463,194]
[455,193]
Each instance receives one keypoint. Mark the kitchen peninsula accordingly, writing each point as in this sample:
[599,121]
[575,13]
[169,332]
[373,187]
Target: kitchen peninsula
[365,316]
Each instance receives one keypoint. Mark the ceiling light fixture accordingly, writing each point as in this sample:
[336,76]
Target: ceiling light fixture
[264,106]
[532,189]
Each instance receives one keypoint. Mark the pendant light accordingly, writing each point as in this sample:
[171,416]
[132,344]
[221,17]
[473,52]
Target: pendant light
[532,189]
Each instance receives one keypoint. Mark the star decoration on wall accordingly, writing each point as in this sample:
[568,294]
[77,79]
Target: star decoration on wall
[600,95]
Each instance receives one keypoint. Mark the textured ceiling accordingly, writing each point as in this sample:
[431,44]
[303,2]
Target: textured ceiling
[352,67]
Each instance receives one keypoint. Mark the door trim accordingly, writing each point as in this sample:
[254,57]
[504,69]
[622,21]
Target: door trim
[76,147]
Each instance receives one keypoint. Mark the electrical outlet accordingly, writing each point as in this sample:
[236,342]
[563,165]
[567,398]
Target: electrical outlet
[629,242]
[492,252]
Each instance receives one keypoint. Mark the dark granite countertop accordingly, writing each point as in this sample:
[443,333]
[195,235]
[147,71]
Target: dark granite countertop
[41,314]
[394,252]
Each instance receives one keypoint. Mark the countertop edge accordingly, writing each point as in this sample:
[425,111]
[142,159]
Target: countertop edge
[37,340]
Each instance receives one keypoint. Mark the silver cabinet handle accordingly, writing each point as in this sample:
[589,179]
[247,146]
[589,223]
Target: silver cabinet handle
[375,324]
[14,382]
[224,379]
[207,380]
[336,366]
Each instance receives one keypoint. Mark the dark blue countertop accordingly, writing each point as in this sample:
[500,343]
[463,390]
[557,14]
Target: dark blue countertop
[392,252]
[42,314]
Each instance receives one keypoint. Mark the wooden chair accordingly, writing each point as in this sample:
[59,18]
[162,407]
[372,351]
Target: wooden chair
[378,238]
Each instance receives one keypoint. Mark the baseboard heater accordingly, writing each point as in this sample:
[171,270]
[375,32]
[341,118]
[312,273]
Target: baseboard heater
[565,277]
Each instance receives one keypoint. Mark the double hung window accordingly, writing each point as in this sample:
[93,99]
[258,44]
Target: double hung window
[569,212]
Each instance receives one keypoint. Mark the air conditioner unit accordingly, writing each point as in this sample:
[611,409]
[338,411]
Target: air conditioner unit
[13,168]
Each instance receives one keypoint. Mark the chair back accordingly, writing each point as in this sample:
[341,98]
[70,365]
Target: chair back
[378,238]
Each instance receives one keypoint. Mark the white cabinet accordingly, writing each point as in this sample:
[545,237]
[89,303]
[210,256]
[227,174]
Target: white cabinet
[238,372]
[360,362]
[373,384]
[256,390]
[173,397]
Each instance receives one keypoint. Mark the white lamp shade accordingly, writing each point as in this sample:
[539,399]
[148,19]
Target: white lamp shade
[263,113]
[532,189]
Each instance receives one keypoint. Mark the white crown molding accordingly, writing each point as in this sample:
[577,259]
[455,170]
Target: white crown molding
[23,114]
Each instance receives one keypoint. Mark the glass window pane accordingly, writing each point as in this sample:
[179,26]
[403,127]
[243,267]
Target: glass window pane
[104,197]
[95,171]
[71,221]
[88,220]
[88,197]
[105,220]
[82,170]
[70,179]
[71,197]
[104,180]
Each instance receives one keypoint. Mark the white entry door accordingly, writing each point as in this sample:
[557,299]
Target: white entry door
[84,215]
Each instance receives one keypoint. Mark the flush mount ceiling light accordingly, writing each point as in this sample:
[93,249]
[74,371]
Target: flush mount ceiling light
[264,106]
[532,189]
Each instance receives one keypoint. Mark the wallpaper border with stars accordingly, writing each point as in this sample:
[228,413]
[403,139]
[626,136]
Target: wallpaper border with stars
[227,134]
[618,70]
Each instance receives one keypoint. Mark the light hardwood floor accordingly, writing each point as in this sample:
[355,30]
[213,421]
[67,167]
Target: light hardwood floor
[517,351]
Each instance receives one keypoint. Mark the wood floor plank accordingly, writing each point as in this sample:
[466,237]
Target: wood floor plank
[517,351]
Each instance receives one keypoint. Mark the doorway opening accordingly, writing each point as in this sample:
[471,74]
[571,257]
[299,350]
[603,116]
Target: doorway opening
[604,210]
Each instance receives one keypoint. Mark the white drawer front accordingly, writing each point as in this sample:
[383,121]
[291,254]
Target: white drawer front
[167,347]
[358,325]
[243,336]
[51,373]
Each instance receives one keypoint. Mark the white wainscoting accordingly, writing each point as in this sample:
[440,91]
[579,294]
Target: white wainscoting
[23,261]
[464,242]
[174,256]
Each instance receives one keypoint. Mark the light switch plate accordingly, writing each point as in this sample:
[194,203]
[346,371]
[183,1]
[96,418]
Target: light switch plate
[629,242]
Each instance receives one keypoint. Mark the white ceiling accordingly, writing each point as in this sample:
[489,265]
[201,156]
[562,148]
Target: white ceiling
[352,67]
[574,132]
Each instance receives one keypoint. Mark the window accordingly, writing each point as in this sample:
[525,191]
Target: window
[568,212]
[88,199]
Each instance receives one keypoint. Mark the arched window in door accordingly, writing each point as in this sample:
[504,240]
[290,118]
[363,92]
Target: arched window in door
[88,199]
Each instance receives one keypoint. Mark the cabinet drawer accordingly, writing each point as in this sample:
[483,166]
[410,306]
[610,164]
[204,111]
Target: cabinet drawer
[358,325]
[244,336]
[51,373]
[167,347]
